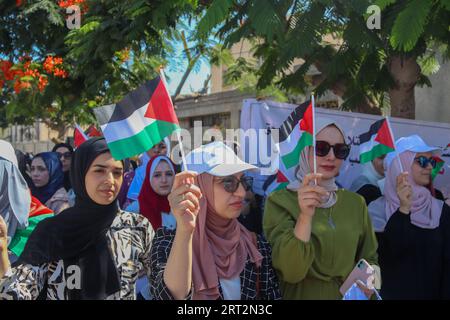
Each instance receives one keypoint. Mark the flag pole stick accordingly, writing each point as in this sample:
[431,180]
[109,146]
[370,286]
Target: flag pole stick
[183,159]
[396,152]
[314,133]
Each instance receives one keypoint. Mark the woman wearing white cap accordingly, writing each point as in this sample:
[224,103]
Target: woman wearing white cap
[318,232]
[415,251]
[211,255]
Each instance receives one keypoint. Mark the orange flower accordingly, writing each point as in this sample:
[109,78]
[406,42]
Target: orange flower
[43,82]
[5,67]
[19,85]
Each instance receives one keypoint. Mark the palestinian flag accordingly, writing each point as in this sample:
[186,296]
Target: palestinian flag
[376,142]
[296,133]
[439,167]
[139,121]
[79,136]
[282,181]
[275,182]
[38,212]
[93,132]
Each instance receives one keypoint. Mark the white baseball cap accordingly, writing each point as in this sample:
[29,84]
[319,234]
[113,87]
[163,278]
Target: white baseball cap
[217,159]
[413,143]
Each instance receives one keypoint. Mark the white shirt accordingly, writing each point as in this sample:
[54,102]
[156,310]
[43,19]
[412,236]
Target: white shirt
[231,288]
[169,221]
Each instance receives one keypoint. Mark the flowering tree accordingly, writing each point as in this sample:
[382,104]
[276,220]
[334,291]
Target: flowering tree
[57,74]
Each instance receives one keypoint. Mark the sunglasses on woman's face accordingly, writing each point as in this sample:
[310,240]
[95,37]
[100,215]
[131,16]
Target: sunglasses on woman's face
[66,155]
[231,183]
[424,161]
[340,150]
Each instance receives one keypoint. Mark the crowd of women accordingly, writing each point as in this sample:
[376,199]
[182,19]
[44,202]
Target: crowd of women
[82,225]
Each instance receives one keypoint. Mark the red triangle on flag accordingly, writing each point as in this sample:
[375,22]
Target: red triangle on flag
[93,132]
[78,137]
[281,177]
[384,136]
[160,105]
[306,123]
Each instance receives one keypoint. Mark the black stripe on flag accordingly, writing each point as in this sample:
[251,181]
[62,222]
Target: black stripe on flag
[292,121]
[133,101]
[374,128]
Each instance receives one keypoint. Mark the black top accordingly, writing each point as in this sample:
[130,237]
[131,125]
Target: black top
[253,220]
[439,195]
[415,262]
[369,193]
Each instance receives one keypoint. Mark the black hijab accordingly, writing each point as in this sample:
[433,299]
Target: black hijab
[67,184]
[78,234]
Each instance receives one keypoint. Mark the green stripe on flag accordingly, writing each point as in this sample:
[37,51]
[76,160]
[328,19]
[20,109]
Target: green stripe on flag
[281,186]
[21,236]
[292,159]
[437,169]
[144,140]
[375,152]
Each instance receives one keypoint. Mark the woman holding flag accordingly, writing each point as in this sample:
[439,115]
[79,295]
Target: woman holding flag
[211,255]
[415,226]
[318,232]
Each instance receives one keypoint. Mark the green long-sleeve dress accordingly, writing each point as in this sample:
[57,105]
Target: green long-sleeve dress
[340,236]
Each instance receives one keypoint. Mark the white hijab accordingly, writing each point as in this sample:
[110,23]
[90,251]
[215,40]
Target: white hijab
[15,198]
[368,176]
[304,168]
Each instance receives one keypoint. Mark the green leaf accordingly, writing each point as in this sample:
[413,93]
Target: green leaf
[264,19]
[445,4]
[384,3]
[26,78]
[429,64]
[424,81]
[410,24]
[215,14]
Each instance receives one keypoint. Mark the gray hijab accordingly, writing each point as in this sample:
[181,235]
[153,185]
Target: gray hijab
[15,198]
[304,168]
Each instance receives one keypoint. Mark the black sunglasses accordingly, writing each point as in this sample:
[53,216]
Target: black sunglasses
[341,150]
[424,161]
[67,155]
[231,183]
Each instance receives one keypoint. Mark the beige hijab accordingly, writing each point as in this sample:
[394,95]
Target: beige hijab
[304,168]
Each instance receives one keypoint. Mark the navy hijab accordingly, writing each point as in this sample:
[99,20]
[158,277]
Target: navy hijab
[56,177]
[67,184]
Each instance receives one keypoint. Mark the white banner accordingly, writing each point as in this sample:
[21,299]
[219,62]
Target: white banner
[268,115]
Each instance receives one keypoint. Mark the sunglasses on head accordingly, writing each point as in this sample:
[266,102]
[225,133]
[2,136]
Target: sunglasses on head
[66,155]
[424,161]
[340,150]
[231,183]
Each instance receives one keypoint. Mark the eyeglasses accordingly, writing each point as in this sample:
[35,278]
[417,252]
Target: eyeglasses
[66,155]
[341,150]
[231,183]
[424,161]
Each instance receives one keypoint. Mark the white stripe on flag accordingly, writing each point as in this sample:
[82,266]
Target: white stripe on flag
[128,127]
[288,145]
[368,145]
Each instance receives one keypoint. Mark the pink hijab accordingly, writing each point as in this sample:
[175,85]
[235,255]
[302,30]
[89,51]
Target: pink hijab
[425,210]
[220,246]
